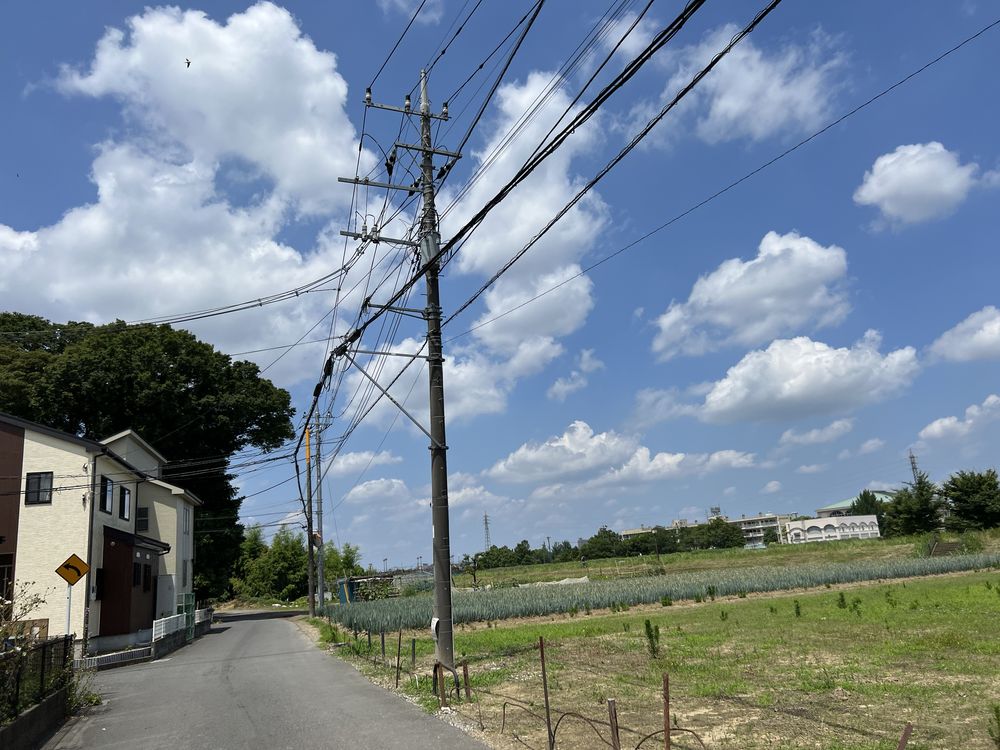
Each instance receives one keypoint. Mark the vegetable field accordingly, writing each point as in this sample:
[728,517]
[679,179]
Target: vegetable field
[505,603]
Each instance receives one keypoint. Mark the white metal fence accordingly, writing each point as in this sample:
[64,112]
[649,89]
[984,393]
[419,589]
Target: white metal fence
[119,657]
[166,626]
[203,615]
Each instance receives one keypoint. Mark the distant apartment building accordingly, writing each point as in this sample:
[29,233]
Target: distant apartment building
[831,529]
[755,528]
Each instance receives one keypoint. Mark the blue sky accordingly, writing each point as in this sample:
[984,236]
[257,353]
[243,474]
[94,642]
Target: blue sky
[780,348]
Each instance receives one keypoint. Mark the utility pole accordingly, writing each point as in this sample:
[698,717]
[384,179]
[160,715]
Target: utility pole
[319,517]
[913,467]
[486,531]
[309,527]
[429,247]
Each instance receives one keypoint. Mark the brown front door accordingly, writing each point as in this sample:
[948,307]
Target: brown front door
[116,598]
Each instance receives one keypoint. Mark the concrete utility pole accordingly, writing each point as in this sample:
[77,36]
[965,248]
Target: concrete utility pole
[429,247]
[309,527]
[319,516]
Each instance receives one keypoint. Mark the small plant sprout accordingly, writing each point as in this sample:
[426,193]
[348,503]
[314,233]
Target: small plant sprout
[798,609]
[653,639]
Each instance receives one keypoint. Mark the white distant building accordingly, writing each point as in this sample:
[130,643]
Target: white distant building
[831,529]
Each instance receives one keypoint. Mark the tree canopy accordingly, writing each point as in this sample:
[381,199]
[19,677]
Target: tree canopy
[915,509]
[188,400]
[973,499]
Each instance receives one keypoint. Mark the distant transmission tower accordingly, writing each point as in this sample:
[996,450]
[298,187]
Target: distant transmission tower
[913,466]
[486,531]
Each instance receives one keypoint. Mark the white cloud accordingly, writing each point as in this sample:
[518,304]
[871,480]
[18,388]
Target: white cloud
[653,405]
[168,231]
[811,469]
[587,363]
[916,183]
[871,446]
[644,467]
[555,258]
[578,450]
[794,378]
[563,387]
[636,41]
[729,491]
[828,434]
[432,11]
[354,463]
[771,487]
[756,94]
[257,89]
[953,427]
[792,283]
[379,492]
[976,337]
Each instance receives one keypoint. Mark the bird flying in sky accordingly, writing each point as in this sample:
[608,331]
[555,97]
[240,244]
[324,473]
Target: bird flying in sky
[188,62]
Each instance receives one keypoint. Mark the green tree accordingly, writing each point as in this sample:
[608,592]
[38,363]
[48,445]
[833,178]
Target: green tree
[185,398]
[719,534]
[973,499]
[915,509]
[605,543]
[771,537]
[287,561]
[868,504]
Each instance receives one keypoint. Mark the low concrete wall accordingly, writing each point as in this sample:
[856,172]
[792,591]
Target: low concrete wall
[104,643]
[200,628]
[31,727]
[169,643]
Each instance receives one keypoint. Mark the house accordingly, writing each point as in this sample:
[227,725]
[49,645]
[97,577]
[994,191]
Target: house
[831,529]
[843,507]
[166,512]
[62,495]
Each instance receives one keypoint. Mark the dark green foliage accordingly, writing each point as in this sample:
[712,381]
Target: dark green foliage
[185,398]
[973,499]
[798,609]
[993,725]
[915,509]
[653,639]
[842,601]
[771,537]
[868,504]
[666,601]
[723,615]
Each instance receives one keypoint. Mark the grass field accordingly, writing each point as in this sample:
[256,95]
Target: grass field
[681,562]
[842,668]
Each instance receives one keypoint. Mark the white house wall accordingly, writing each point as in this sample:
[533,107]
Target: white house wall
[48,534]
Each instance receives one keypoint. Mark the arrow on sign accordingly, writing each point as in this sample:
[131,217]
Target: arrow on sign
[71,566]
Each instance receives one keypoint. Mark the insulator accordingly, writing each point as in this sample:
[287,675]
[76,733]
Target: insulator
[368,97]
[406,103]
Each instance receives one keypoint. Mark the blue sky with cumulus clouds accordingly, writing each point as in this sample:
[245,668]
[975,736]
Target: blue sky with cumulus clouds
[779,348]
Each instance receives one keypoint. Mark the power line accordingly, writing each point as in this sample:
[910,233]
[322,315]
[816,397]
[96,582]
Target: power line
[735,183]
[396,45]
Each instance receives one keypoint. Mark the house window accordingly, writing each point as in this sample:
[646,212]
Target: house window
[38,488]
[124,502]
[107,495]
[187,520]
[136,574]
[6,581]
[147,577]
[184,573]
[142,518]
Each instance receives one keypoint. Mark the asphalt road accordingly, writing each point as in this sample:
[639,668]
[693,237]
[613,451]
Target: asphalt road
[253,682]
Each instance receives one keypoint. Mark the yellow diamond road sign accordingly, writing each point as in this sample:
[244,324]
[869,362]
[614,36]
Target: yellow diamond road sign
[73,569]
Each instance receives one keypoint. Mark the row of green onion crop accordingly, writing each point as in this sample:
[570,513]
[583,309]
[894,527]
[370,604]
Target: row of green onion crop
[500,604]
